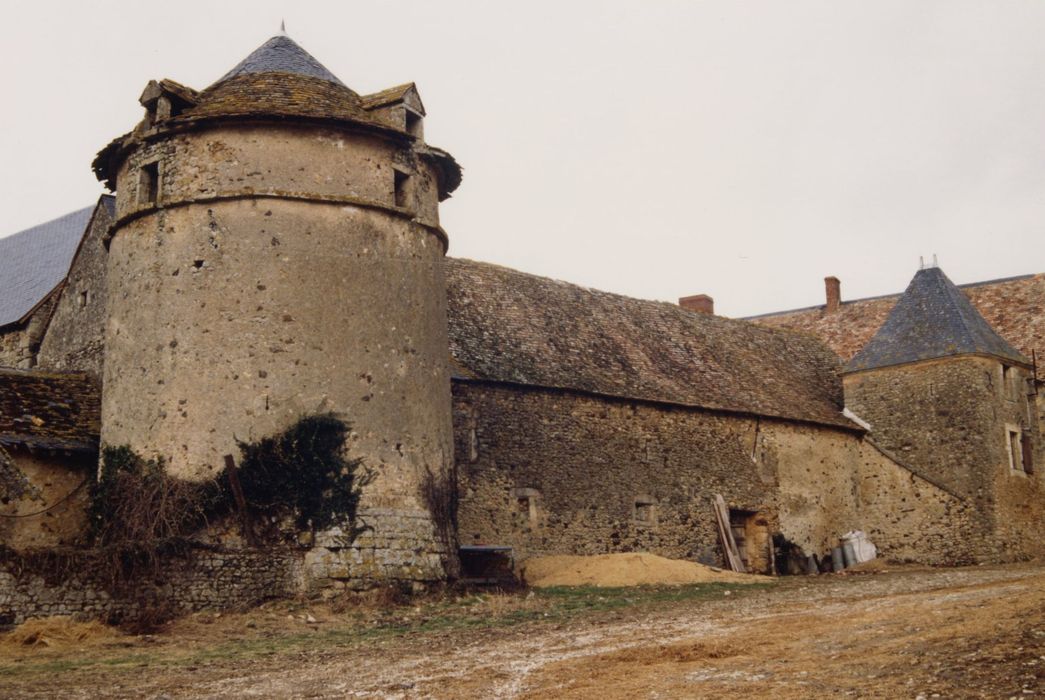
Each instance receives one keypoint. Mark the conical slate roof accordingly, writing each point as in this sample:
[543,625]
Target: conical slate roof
[281,54]
[932,319]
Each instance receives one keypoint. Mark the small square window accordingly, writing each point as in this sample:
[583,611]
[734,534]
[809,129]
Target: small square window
[645,511]
[526,505]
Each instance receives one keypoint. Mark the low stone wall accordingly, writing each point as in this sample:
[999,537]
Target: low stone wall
[199,581]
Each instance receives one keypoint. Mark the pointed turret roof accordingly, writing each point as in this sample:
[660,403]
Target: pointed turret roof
[932,319]
[281,54]
[278,81]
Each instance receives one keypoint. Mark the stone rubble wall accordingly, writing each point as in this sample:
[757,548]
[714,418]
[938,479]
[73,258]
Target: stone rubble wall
[200,581]
[74,340]
[396,547]
[556,472]
[19,343]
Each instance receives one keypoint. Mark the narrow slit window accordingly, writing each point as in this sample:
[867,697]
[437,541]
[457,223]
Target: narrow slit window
[1027,450]
[149,183]
[402,182]
[1015,450]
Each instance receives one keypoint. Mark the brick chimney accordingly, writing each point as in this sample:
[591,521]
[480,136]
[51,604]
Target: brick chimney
[701,303]
[833,288]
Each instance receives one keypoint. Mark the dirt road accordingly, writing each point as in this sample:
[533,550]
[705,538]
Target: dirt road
[960,633]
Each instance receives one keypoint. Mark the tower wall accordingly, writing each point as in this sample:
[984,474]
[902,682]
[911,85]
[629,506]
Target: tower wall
[275,276]
[950,420]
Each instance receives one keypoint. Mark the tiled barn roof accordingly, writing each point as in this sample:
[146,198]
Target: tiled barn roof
[1013,307]
[514,327]
[35,261]
[932,319]
[49,410]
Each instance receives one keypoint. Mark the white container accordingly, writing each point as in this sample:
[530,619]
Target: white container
[863,548]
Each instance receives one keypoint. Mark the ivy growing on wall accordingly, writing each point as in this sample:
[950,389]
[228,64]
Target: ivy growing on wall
[303,473]
[140,515]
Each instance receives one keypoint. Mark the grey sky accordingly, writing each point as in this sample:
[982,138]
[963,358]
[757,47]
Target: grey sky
[656,149]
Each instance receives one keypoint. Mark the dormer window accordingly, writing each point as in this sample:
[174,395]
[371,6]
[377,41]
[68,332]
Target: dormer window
[165,99]
[149,183]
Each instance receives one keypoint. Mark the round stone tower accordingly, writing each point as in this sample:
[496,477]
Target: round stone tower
[277,253]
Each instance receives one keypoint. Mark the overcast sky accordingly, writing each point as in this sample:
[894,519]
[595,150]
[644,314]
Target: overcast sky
[656,149]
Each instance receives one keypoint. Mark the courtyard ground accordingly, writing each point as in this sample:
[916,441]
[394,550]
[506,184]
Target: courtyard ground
[950,633]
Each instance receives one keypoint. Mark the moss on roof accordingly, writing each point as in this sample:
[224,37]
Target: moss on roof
[49,410]
[272,96]
[514,327]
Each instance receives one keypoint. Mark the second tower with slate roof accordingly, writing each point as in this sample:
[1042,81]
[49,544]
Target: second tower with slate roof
[949,398]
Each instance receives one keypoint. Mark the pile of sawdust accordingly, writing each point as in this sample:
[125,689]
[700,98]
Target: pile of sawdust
[55,632]
[615,570]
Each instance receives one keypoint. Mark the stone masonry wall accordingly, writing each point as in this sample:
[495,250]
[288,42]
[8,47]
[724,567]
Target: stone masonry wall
[395,546]
[204,580]
[944,417]
[948,420]
[56,513]
[277,274]
[910,519]
[19,343]
[75,336]
[549,471]
[10,345]
[587,465]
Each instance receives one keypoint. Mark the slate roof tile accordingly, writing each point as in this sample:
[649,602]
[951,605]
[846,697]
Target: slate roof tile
[35,261]
[281,54]
[932,319]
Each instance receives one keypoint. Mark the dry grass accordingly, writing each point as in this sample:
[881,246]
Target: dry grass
[56,633]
